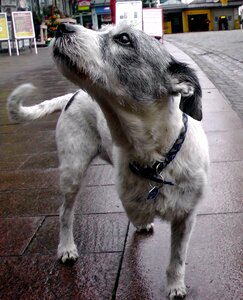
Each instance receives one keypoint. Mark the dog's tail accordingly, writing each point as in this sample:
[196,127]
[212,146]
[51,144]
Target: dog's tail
[18,112]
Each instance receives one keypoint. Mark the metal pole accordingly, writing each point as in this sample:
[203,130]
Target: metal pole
[17,48]
[9,48]
[35,46]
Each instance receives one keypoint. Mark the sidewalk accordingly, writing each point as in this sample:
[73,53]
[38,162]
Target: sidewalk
[114,262]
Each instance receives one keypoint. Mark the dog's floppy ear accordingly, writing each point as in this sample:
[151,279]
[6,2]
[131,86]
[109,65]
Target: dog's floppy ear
[185,81]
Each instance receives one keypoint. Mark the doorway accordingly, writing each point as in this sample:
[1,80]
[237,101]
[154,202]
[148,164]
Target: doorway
[223,23]
[176,22]
[198,22]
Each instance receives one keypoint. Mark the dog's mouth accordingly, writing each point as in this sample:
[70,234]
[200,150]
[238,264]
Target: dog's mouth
[62,58]
[63,49]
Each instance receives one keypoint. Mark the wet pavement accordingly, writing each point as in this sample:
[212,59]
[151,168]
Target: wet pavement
[115,262]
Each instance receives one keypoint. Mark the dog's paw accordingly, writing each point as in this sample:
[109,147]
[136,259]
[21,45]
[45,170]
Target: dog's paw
[177,292]
[145,228]
[67,254]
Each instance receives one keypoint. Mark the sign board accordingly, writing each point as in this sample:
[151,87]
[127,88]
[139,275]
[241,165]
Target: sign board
[83,5]
[4,34]
[129,13]
[224,2]
[23,28]
[23,25]
[153,21]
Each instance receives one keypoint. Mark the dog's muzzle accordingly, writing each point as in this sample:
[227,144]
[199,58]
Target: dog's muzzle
[64,29]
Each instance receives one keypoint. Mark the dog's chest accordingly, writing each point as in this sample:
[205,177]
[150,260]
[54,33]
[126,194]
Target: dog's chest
[170,201]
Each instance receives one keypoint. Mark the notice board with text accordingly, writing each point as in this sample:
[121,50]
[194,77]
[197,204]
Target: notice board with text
[4,34]
[129,13]
[153,21]
[23,25]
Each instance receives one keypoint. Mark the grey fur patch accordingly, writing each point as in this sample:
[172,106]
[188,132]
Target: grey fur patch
[139,67]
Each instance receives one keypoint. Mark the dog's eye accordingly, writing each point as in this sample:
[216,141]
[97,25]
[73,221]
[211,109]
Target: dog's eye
[123,39]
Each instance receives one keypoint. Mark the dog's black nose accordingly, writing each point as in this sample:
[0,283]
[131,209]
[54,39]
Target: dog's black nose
[64,28]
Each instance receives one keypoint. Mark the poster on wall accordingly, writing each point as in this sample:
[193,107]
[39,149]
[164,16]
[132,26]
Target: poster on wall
[83,5]
[23,25]
[153,21]
[129,13]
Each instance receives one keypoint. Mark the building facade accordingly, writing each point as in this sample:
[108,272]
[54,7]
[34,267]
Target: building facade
[95,15]
[90,13]
[37,6]
[179,15]
[200,15]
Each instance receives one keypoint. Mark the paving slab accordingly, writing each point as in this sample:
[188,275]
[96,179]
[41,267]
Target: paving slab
[29,203]
[28,145]
[17,233]
[92,277]
[221,121]
[212,266]
[42,277]
[213,101]
[11,163]
[25,277]
[226,146]
[92,233]
[100,175]
[44,160]
[29,179]
[224,194]
[99,199]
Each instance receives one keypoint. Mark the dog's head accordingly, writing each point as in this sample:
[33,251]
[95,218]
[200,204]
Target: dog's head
[125,63]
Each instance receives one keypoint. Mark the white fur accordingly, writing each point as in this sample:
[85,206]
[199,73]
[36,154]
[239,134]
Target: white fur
[18,112]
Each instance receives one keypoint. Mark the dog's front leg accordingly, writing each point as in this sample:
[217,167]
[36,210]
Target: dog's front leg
[180,235]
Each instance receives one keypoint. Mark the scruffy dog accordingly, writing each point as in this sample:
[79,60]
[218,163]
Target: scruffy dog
[144,120]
